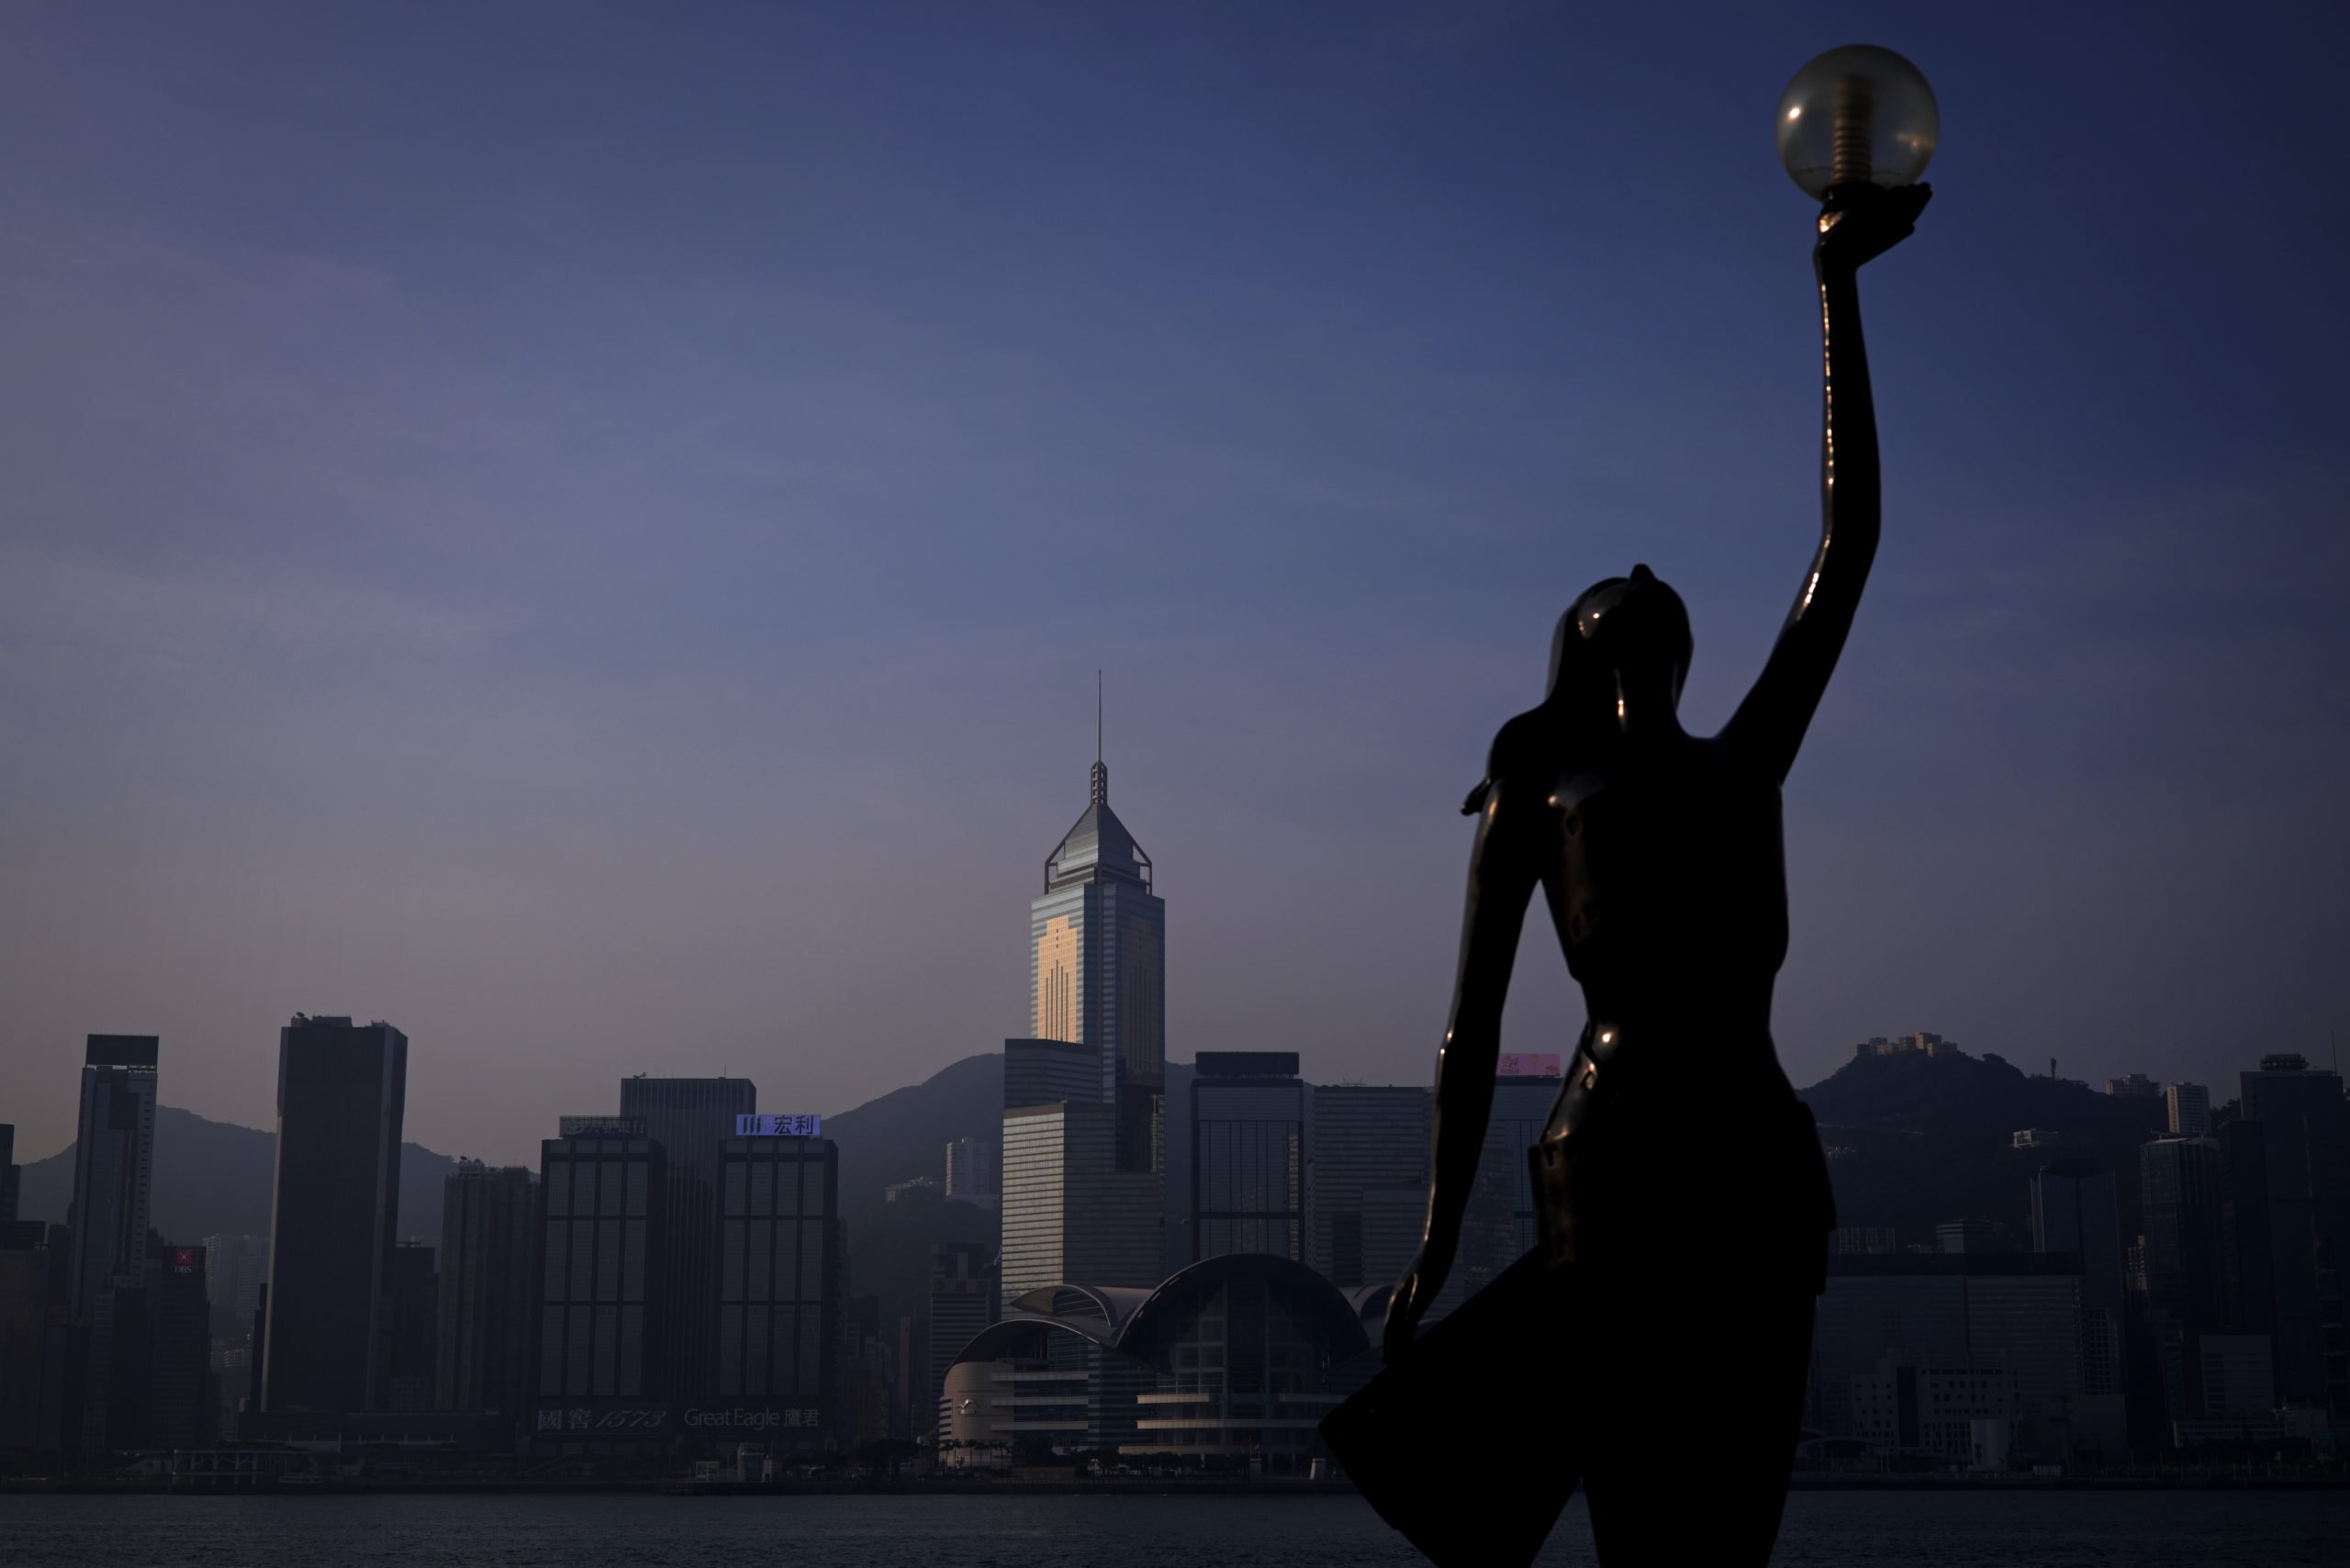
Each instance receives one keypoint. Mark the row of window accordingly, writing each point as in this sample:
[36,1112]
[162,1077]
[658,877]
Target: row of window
[612,1187]
[591,1349]
[594,1259]
[772,1259]
[781,1185]
[771,1349]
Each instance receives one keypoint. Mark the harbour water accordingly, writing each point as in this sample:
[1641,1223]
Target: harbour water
[1824,1529]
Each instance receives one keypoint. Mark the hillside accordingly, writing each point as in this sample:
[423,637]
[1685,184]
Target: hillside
[213,1178]
[897,1138]
[1916,1139]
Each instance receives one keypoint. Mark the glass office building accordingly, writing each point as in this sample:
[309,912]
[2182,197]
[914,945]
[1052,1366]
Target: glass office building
[1247,1155]
[481,1357]
[1368,1160]
[341,1093]
[1098,969]
[1069,1211]
[114,1167]
[779,1287]
[600,1251]
[690,1118]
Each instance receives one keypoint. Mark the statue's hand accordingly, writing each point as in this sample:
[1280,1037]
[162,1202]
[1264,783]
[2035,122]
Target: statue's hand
[1413,1296]
[1863,222]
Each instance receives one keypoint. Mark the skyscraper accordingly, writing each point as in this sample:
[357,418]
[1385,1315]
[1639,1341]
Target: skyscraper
[1247,1155]
[971,1173]
[781,1279]
[114,1167]
[2074,1210]
[2187,1110]
[2178,1183]
[11,1174]
[1069,1214]
[24,1335]
[234,1270]
[600,1252]
[334,1221]
[1367,1138]
[1045,1072]
[1498,1227]
[2305,1137]
[959,1301]
[415,1328]
[1098,968]
[486,1290]
[690,1118]
[178,1374]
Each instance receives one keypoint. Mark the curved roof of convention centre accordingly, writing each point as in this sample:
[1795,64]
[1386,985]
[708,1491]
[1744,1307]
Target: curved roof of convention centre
[1143,1324]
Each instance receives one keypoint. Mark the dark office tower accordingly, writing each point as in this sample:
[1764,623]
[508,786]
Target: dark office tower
[24,1332]
[414,1327]
[2178,1187]
[1050,1072]
[65,1350]
[688,1117]
[486,1290]
[961,1302]
[11,1174]
[341,1092]
[2305,1134]
[113,1166]
[1247,1155]
[114,1407]
[235,1268]
[1366,1139]
[2247,1262]
[2075,1211]
[600,1249]
[1098,969]
[180,1402]
[1176,1182]
[1498,1228]
[781,1283]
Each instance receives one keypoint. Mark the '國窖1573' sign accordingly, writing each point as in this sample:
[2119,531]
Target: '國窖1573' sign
[777,1127]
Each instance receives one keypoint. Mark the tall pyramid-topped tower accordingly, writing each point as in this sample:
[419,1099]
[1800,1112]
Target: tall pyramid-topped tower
[1097,967]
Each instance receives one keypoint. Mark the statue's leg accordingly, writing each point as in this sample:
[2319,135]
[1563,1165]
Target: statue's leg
[1691,1458]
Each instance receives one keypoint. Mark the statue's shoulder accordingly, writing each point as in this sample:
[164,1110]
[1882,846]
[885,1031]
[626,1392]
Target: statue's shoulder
[1526,748]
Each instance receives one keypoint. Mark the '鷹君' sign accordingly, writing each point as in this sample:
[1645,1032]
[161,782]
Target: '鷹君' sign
[777,1127]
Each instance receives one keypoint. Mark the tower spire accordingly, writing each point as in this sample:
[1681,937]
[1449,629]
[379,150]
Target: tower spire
[1101,791]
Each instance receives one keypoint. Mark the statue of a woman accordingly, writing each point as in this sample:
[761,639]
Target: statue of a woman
[1682,1197]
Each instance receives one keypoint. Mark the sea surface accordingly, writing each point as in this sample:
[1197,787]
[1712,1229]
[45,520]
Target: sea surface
[1831,1529]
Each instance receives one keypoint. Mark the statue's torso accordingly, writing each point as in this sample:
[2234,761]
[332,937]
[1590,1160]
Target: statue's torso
[1670,905]
[1674,882]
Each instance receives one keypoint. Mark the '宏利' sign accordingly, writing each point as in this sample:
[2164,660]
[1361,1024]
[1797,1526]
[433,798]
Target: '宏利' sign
[777,1127]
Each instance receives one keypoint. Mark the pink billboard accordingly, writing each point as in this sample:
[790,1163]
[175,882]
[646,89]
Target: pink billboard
[1520,1064]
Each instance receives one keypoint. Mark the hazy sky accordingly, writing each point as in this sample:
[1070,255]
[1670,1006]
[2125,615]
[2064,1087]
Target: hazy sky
[587,531]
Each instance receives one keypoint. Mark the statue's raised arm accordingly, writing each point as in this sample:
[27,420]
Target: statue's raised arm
[1860,223]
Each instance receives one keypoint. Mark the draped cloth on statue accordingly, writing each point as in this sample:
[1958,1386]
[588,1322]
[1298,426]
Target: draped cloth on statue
[1460,1445]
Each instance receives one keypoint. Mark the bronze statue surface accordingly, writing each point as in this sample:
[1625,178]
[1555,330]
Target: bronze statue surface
[1654,1345]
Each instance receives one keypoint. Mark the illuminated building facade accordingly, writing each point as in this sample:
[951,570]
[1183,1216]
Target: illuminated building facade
[1098,969]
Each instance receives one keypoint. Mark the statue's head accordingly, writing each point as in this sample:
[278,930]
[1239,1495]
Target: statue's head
[1630,635]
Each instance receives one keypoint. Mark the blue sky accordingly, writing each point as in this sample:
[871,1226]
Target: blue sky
[587,531]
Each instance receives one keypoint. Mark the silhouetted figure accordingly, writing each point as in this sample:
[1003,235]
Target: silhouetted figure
[1656,1341]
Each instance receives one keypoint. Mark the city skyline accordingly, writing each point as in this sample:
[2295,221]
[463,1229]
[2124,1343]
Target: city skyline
[623,602]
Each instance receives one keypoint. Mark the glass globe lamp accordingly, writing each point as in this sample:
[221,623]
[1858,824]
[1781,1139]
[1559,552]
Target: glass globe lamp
[1857,114]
